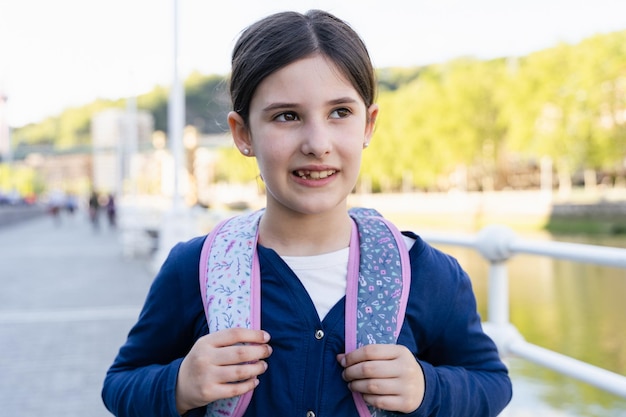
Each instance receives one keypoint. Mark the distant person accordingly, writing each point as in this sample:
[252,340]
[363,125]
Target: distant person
[111,209]
[55,212]
[71,204]
[55,205]
[307,308]
[94,210]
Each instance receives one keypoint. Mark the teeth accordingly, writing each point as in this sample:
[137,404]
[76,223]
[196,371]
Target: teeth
[315,175]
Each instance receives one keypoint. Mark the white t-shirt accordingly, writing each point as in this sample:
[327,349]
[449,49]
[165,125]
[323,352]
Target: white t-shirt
[324,276]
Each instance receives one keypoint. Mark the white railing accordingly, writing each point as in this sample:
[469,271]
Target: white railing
[497,244]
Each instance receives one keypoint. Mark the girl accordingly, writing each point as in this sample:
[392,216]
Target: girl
[303,88]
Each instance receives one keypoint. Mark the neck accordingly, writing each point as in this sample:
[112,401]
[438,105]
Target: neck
[297,234]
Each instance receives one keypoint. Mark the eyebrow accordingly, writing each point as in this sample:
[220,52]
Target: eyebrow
[343,100]
[276,106]
[283,105]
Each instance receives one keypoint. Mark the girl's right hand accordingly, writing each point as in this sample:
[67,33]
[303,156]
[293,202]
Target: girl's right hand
[220,365]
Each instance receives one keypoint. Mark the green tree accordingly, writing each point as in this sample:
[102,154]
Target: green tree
[448,117]
[566,102]
[207,103]
[155,102]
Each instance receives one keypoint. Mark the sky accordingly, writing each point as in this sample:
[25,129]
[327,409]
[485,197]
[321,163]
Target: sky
[56,54]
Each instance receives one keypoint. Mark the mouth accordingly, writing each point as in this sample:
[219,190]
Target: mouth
[314,175]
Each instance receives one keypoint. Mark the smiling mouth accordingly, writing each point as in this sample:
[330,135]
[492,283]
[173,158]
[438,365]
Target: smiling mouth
[314,175]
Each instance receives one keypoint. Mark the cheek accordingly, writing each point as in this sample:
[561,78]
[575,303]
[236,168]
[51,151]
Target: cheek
[270,157]
[271,146]
[353,149]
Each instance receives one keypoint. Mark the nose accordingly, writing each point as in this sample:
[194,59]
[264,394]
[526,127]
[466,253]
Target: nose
[316,140]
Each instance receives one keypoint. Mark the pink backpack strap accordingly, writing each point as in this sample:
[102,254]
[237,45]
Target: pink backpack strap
[230,288]
[379,279]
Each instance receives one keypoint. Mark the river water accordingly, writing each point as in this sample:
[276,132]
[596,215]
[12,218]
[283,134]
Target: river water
[575,309]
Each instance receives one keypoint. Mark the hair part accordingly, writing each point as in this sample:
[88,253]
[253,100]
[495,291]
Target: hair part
[283,38]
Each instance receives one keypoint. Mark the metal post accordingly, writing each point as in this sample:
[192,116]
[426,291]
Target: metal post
[6,150]
[176,112]
[498,303]
[494,243]
[132,133]
[177,224]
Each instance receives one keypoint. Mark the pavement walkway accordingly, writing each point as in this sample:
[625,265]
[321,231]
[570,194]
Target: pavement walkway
[67,300]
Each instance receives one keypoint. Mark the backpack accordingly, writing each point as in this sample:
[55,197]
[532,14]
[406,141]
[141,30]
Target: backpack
[376,292]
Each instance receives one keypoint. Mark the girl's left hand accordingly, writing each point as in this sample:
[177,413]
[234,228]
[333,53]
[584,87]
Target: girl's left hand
[388,376]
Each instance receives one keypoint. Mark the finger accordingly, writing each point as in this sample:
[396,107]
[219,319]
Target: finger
[229,337]
[372,369]
[235,374]
[236,388]
[375,386]
[371,353]
[403,403]
[242,353]
[386,402]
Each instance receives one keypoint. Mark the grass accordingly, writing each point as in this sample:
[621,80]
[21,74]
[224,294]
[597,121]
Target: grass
[589,226]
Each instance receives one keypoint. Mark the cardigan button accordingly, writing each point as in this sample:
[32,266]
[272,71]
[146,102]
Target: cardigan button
[310,414]
[319,334]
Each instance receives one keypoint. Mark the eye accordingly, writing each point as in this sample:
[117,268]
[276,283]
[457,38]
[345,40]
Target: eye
[286,117]
[340,113]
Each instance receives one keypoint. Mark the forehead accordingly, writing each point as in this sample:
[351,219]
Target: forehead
[305,79]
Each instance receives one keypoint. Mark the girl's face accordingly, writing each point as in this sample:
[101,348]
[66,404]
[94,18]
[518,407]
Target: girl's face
[307,128]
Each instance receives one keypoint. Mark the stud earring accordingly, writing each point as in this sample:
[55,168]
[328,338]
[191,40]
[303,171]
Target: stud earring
[246,151]
[366,144]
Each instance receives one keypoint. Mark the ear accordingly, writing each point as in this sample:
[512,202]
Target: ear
[240,132]
[372,114]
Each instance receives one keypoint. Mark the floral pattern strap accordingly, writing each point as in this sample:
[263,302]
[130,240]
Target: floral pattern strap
[379,296]
[230,287]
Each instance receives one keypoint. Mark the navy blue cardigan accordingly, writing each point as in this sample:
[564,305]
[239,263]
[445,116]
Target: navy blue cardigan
[463,372]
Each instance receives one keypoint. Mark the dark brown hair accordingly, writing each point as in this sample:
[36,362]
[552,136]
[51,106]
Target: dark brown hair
[282,38]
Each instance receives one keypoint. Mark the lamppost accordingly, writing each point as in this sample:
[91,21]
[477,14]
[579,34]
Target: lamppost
[6,154]
[178,223]
[176,111]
